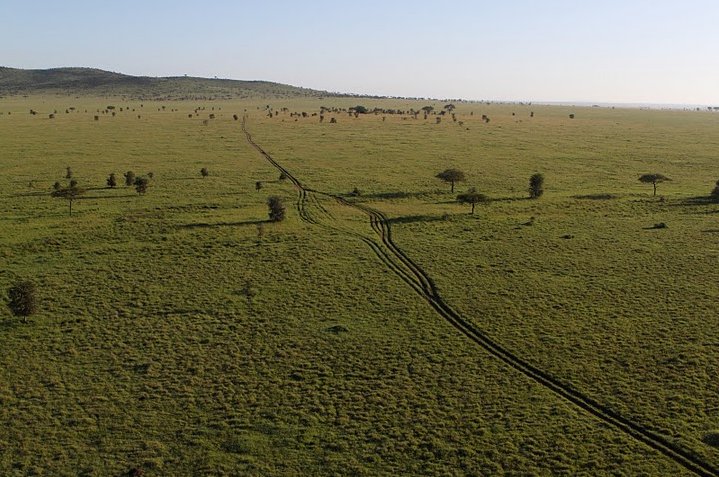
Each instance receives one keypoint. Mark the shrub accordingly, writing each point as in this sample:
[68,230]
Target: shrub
[536,186]
[283,176]
[715,193]
[258,185]
[112,180]
[21,298]
[129,178]
[277,208]
[204,172]
[141,184]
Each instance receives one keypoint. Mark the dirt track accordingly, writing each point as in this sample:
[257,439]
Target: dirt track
[397,260]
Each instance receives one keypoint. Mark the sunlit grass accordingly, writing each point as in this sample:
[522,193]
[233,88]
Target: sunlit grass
[147,351]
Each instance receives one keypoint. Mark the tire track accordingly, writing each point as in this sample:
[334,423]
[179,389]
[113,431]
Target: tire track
[413,275]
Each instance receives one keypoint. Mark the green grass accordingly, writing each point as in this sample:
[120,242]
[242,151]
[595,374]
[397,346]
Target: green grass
[146,351]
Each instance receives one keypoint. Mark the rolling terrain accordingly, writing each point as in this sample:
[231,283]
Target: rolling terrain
[95,82]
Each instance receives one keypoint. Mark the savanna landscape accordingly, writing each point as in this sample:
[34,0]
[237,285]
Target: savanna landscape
[379,317]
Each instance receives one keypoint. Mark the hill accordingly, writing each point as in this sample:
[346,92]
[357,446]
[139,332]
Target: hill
[96,82]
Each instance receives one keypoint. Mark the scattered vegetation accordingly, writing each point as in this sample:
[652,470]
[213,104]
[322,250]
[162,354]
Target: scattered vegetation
[270,385]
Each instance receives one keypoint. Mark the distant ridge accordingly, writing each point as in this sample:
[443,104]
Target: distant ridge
[96,82]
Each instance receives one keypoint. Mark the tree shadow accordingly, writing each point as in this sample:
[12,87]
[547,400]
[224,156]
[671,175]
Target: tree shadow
[508,199]
[31,194]
[244,223]
[409,219]
[124,196]
[597,196]
[699,200]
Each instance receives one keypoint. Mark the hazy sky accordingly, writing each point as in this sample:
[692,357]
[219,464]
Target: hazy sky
[655,51]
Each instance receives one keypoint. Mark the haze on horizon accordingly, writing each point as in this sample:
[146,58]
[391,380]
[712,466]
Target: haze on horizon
[632,51]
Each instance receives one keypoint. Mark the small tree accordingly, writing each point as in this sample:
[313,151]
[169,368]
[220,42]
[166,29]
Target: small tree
[472,197]
[141,184]
[536,186]
[129,178]
[112,180]
[277,208]
[70,193]
[258,185]
[204,172]
[653,179]
[451,176]
[68,173]
[21,299]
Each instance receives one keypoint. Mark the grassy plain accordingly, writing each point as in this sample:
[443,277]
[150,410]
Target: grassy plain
[148,353]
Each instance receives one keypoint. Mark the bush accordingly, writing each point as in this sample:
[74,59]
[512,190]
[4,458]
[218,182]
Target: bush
[204,172]
[283,176]
[112,180]
[277,208]
[129,178]
[536,186]
[715,193]
[21,298]
[141,184]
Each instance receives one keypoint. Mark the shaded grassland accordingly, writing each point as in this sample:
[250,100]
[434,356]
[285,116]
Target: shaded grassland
[148,351]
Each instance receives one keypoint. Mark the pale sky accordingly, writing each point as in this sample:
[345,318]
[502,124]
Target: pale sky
[638,51]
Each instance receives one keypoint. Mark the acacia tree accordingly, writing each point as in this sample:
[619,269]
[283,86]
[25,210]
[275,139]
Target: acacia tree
[472,197]
[536,186]
[70,193]
[653,179]
[451,176]
[277,208]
